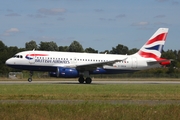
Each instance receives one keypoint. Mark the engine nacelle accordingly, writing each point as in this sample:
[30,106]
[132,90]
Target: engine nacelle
[99,71]
[65,72]
[52,74]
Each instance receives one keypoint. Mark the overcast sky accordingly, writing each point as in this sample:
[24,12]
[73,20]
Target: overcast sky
[100,24]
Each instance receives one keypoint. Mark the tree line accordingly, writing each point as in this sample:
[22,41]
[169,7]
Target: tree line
[7,52]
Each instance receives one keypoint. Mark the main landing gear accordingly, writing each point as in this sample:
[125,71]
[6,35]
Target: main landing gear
[30,78]
[81,79]
[88,80]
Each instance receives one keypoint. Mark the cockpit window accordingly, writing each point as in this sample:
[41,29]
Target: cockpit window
[17,56]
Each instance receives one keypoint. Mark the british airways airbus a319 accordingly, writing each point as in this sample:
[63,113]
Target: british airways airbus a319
[81,65]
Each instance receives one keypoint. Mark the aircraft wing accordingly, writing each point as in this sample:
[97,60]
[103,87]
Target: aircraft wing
[93,66]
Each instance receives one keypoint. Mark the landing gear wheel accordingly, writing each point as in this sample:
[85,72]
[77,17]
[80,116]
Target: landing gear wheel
[88,80]
[30,79]
[81,80]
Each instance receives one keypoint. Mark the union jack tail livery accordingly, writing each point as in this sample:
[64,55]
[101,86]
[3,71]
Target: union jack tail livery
[154,46]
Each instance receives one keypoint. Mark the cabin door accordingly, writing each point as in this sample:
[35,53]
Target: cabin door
[134,62]
[31,56]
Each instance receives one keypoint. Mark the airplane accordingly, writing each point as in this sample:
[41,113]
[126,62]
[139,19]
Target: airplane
[80,65]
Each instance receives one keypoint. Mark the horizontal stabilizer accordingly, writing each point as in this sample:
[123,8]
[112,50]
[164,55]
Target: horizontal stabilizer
[160,61]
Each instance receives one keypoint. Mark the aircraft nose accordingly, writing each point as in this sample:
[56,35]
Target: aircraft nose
[8,62]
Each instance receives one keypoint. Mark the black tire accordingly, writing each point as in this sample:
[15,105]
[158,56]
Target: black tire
[29,79]
[88,80]
[81,80]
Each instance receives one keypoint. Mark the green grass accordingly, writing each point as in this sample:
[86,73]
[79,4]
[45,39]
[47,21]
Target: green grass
[89,108]
[90,92]
[88,111]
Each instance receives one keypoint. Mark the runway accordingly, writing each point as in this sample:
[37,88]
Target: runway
[93,82]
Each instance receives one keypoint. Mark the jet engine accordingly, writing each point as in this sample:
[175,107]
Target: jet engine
[65,72]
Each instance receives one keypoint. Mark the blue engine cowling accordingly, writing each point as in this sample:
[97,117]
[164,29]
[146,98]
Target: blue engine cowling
[52,74]
[99,71]
[65,72]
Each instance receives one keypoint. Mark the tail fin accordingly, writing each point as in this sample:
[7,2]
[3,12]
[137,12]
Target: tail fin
[154,46]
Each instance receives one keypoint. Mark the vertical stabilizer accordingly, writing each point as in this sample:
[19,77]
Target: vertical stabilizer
[154,46]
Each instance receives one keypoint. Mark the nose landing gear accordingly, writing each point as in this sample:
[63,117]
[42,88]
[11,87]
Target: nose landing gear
[30,78]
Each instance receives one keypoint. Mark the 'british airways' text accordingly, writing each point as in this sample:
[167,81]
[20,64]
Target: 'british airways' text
[52,61]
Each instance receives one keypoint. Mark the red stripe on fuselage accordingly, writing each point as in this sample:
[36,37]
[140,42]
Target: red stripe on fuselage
[160,37]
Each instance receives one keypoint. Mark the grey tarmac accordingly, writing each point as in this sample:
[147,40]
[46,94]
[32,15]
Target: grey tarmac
[93,82]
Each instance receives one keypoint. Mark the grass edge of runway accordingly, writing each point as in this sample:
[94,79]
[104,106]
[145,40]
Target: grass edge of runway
[90,92]
[88,111]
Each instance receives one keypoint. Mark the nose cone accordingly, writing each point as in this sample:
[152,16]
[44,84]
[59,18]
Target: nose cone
[8,62]
[11,62]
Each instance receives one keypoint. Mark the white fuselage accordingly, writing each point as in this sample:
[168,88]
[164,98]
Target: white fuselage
[49,61]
